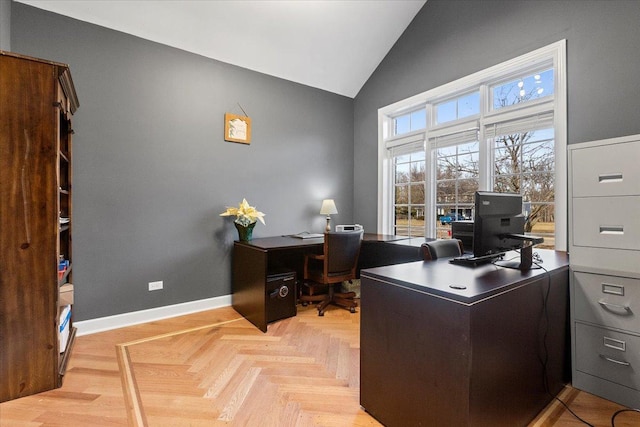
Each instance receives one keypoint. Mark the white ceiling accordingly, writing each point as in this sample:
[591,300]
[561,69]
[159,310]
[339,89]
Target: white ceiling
[333,45]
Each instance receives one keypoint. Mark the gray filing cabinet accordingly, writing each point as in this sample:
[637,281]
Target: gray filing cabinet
[604,249]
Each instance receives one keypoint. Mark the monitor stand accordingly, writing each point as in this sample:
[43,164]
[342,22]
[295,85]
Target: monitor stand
[526,252]
[525,262]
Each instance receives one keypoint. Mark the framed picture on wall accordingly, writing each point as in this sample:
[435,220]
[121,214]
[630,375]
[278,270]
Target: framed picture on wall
[237,128]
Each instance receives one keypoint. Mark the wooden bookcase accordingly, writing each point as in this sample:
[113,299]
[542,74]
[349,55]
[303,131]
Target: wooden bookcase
[37,101]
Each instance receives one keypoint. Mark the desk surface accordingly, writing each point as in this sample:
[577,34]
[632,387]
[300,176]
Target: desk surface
[288,242]
[280,242]
[437,277]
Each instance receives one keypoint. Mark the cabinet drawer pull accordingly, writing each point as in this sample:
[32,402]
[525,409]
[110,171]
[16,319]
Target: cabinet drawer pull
[610,177]
[618,362]
[609,306]
[611,229]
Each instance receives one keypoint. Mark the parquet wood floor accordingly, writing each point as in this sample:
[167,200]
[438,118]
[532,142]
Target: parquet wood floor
[214,368]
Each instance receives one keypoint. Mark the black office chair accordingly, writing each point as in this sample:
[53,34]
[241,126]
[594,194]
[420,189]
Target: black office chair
[441,248]
[337,263]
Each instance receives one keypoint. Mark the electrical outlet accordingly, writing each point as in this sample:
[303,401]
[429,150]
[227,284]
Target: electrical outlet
[154,286]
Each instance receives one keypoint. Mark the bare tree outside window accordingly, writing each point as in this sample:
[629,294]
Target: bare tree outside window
[522,163]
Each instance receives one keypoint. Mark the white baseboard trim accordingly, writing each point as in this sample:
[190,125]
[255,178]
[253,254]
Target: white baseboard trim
[92,326]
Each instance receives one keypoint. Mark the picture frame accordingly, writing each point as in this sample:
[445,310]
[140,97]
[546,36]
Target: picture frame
[237,128]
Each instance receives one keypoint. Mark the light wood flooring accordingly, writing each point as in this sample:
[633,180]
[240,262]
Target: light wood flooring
[215,368]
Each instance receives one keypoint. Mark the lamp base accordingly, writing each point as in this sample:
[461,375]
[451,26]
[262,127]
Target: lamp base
[328,228]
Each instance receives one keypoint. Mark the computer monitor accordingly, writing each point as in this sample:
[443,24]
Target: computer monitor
[499,227]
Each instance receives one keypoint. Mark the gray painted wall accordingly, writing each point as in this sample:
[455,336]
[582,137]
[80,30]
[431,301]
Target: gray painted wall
[152,171]
[450,39]
[5,25]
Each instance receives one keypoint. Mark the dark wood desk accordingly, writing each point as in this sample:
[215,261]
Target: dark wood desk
[253,262]
[433,355]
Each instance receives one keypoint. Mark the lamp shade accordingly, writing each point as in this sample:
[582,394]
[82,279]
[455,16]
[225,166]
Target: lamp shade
[328,207]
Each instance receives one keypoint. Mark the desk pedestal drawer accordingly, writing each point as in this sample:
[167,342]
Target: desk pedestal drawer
[608,354]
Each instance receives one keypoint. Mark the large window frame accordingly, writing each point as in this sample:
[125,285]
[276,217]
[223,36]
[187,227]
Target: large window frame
[554,106]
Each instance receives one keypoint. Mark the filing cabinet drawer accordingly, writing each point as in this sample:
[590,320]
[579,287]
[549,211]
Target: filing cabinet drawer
[607,300]
[606,170]
[607,222]
[607,354]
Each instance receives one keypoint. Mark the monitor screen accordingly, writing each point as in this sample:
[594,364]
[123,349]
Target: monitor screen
[497,215]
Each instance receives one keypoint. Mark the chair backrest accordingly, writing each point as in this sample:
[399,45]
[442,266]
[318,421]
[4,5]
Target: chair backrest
[341,251]
[441,248]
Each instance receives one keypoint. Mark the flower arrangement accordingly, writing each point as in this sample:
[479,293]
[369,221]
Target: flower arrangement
[245,214]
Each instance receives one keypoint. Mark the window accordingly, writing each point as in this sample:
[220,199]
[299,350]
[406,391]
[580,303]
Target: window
[459,108]
[410,122]
[524,163]
[501,129]
[523,89]
[409,194]
[456,182]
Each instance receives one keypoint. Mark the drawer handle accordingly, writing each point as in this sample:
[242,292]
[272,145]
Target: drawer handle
[618,362]
[611,229]
[610,177]
[609,306]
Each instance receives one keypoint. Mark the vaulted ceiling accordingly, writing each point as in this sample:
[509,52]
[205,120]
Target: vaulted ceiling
[333,45]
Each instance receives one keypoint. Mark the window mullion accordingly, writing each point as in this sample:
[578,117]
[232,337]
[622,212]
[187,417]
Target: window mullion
[429,194]
[484,157]
[429,178]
